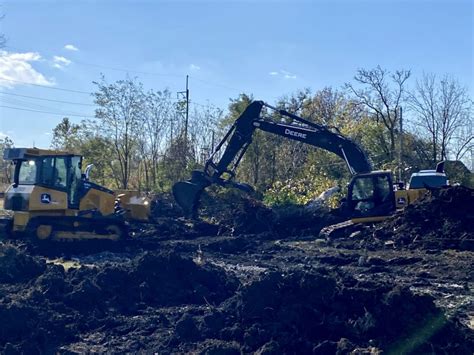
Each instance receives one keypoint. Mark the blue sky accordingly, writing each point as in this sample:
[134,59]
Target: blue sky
[268,48]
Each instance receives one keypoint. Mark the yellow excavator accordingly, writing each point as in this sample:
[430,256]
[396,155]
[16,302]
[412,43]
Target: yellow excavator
[372,195]
[51,198]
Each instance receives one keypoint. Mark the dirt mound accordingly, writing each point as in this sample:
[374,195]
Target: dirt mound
[297,220]
[442,219]
[238,213]
[16,266]
[58,306]
[164,205]
[235,211]
[247,293]
[161,302]
[320,313]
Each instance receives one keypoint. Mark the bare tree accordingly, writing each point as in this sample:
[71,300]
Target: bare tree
[464,140]
[444,110]
[382,93]
[158,112]
[423,101]
[203,130]
[454,111]
[120,112]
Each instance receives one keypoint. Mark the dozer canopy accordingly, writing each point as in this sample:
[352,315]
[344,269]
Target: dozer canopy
[43,167]
[26,153]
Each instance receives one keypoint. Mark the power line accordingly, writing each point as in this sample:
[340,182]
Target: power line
[49,112]
[125,70]
[19,102]
[46,86]
[44,99]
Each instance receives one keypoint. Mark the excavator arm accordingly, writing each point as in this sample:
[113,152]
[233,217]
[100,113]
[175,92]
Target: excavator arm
[239,137]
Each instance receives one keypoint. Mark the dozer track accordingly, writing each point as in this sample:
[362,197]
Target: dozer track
[64,228]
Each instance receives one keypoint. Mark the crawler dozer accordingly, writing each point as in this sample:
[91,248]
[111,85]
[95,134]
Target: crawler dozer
[51,198]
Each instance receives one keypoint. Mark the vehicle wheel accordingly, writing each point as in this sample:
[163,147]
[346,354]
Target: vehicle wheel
[44,231]
[115,232]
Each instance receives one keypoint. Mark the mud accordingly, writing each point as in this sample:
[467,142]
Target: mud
[441,220]
[230,286]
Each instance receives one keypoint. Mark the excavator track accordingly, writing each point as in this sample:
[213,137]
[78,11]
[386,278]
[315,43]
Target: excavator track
[340,230]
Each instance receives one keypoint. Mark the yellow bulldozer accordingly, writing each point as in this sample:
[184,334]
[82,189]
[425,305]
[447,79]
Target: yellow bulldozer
[52,198]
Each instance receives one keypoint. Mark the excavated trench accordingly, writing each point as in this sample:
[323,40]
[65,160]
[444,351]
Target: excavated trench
[261,282]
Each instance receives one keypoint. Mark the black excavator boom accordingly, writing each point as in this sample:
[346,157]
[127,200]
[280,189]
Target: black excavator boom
[239,137]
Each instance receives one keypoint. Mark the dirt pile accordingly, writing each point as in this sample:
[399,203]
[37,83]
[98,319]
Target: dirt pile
[442,219]
[16,266]
[319,313]
[297,220]
[235,212]
[162,302]
[248,292]
[58,306]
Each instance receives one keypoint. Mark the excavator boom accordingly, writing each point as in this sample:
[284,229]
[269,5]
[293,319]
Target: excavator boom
[239,137]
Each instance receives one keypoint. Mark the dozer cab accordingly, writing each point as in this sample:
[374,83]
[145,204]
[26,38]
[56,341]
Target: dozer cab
[371,196]
[51,198]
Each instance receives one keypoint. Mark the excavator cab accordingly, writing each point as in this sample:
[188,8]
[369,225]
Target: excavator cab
[370,197]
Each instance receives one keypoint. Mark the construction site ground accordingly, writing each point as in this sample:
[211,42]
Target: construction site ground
[250,280]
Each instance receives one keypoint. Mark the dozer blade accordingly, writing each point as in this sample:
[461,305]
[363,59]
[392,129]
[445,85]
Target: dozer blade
[187,194]
[6,224]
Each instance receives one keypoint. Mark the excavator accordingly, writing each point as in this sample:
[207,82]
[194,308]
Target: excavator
[52,199]
[371,196]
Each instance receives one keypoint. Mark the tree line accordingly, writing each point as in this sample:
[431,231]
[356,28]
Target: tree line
[138,139]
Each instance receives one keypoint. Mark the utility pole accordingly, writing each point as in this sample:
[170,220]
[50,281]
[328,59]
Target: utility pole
[183,100]
[183,113]
[187,111]
[400,162]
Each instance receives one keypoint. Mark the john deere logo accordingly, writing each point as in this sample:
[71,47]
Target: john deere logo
[401,201]
[45,198]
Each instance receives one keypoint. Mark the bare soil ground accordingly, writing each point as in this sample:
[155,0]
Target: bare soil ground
[254,281]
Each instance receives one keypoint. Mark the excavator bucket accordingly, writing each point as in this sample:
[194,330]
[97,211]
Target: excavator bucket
[187,193]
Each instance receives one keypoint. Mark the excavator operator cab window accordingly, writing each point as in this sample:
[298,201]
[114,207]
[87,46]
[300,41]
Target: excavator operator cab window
[371,195]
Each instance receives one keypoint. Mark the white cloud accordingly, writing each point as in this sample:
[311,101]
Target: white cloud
[2,135]
[60,62]
[16,69]
[71,47]
[194,67]
[283,73]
